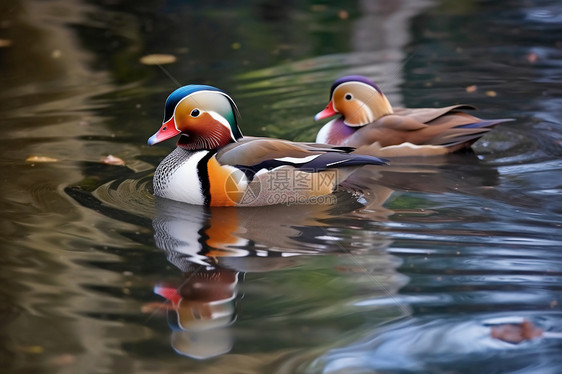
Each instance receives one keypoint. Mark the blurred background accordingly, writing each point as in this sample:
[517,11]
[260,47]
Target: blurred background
[96,276]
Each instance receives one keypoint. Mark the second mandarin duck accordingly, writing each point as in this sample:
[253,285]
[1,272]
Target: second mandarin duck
[369,123]
[215,165]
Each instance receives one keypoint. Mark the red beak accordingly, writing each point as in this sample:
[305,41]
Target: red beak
[167,131]
[327,112]
[169,293]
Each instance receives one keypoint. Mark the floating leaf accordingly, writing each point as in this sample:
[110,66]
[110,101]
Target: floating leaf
[158,59]
[471,88]
[41,159]
[63,359]
[491,93]
[112,160]
[33,349]
[532,57]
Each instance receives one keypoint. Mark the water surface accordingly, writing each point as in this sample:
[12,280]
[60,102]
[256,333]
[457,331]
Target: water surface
[98,276]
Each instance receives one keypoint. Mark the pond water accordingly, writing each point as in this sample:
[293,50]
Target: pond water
[98,276]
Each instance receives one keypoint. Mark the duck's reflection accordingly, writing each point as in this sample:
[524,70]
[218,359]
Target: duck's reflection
[249,239]
[215,247]
[200,309]
[460,173]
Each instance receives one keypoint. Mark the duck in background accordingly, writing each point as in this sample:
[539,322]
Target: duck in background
[368,122]
[215,165]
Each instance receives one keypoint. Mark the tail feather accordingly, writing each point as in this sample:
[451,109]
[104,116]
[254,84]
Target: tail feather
[467,134]
[485,123]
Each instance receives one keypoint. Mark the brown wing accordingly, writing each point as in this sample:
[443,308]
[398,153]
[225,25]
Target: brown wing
[422,126]
[426,115]
[254,150]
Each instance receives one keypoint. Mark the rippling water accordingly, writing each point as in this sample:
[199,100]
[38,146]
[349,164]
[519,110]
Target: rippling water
[98,276]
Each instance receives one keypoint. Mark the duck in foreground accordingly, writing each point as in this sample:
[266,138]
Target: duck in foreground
[369,123]
[215,165]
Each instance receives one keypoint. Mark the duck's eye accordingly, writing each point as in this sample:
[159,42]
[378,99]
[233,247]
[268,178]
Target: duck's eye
[348,96]
[195,112]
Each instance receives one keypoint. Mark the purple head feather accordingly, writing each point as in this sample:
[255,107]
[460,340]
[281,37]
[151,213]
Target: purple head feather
[353,78]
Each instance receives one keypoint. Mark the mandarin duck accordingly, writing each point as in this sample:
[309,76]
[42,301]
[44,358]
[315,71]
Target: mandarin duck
[214,165]
[369,123]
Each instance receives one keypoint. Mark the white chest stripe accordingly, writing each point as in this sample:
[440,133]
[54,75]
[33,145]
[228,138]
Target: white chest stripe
[324,132]
[181,181]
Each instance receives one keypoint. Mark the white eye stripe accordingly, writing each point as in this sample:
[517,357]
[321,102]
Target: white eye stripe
[368,112]
[363,113]
[223,121]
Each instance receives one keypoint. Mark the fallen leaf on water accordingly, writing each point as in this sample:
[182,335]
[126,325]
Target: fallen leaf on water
[113,160]
[41,159]
[472,88]
[34,349]
[491,93]
[516,333]
[64,359]
[532,57]
[158,59]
